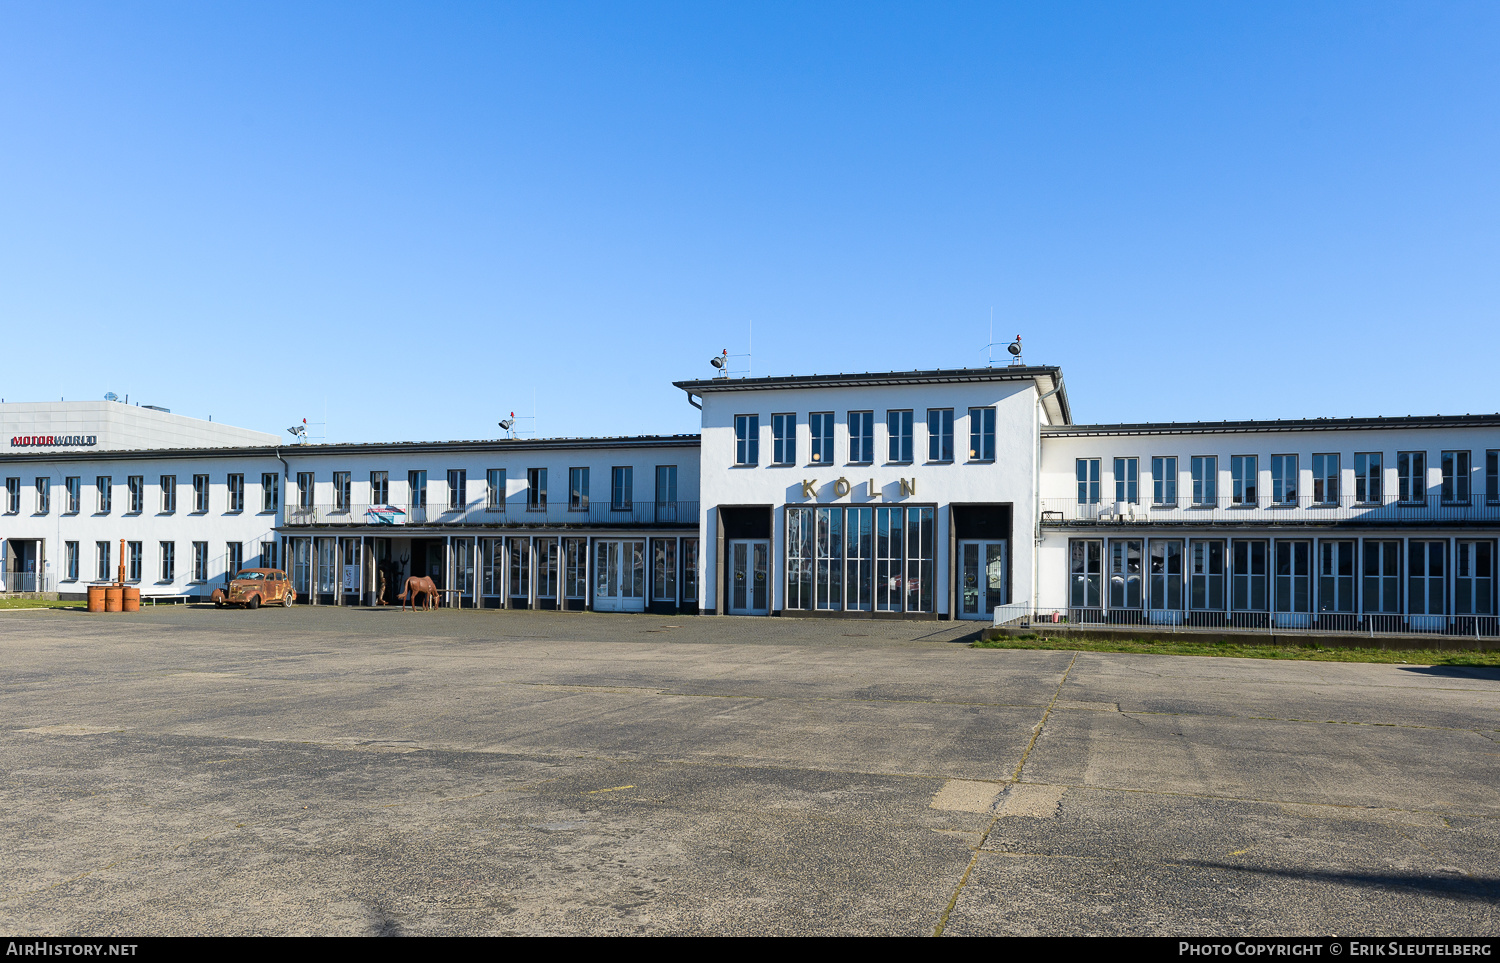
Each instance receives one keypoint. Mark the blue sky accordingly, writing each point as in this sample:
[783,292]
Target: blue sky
[423,216]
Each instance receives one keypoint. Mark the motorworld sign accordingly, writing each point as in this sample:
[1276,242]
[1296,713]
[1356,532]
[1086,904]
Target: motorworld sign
[53,441]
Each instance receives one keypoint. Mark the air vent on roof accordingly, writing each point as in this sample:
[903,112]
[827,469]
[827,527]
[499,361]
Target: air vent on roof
[158,408]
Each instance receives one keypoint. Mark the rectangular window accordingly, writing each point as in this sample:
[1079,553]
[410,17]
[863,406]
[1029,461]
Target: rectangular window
[939,434]
[664,569]
[578,489]
[898,426]
[1164,558]
[1127,480]
[784,439]
[1367,475]
[200,493]
[1249,576]
[270,492]
[1206,574]
[1411,477]
[1336,576]
[234,558]
[1205,480]
[200,561]
[1492,477]
[268,555]
[1474,578]
[494,490]
[168,561]
[820,428]
[981,434]
[1284,479]
[1426,572]
[43,496]
[236,491]
[575,568]
[1088,481]
[536,489]
[458,483]
[342,485]
[70,561]
[416,488]
[747,439]
[380,488]
[1244,472]
[1124,574]
[620,488]
[305,489]
[1292,590]
[101,562]
[12,496]
[1085,573]
[73,492]
[690,571]
[1326,479]
[1382,576]
[1164,482]
[1456,475]
[666,486]
[861,437]
[133,561]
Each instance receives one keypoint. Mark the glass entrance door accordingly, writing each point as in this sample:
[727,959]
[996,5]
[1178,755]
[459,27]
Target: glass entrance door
[620,575]
[981,579]
[749,577]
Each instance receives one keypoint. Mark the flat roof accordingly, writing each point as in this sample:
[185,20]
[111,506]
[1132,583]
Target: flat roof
[378,447]
[1295,424]
[1045,377]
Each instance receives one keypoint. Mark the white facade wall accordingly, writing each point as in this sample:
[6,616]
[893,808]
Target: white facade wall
[1008,479]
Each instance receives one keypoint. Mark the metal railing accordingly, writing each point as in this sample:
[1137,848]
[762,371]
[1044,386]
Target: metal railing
[594,515]
[23,582]
[1282,623]
[1431,509]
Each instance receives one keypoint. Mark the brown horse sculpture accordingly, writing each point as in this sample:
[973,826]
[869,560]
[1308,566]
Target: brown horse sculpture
[415,584]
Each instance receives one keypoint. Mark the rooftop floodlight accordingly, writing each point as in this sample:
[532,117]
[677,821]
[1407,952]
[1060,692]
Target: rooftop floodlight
[1015,346]
[721,361]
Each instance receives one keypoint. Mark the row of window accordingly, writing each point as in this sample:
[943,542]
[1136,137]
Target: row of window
[621,491]
[1287,484]
[1285,575]
[136,494]
[104,561]
[899,437]
[621,488]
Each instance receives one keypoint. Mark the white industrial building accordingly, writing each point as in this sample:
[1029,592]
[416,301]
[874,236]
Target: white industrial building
[922,494]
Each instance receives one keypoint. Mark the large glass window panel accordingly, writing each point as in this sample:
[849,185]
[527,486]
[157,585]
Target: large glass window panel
[921,544]
[799,559]
[830,558]
[890,542]
[1326,479]
[575,568]
[1336,575]
[1248,576]
[784,439]
[492,566]
[1426,576]
[939,434]
[1164,481]
[1124,574]
[1085,570]
[1411,477]
[820,427]
[1456,474]
[859,557]
[899,431]
[664,569]
[1367,477]
[1127,480]
[1087,471]
[1474,578]
[520,567]
[1243,472]
[690,570]
[1166,573]
[1293,589]
[546,568]
[1205,479]
[1206,574]
[1381,592]
[1284,479]
[463,566]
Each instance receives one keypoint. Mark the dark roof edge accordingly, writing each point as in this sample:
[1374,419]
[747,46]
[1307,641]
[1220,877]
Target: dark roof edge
[1302,424]
[391,447]
[935,376]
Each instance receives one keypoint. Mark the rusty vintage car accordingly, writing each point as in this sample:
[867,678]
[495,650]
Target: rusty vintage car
[254,587]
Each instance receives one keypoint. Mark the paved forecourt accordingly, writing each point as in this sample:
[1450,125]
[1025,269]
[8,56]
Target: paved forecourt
[360,771]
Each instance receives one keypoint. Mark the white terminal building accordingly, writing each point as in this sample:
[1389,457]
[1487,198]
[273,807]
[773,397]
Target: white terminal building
[920,494]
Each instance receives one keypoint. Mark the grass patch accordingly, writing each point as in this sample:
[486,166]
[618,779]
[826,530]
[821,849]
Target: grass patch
[41,604]
[1310,652]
